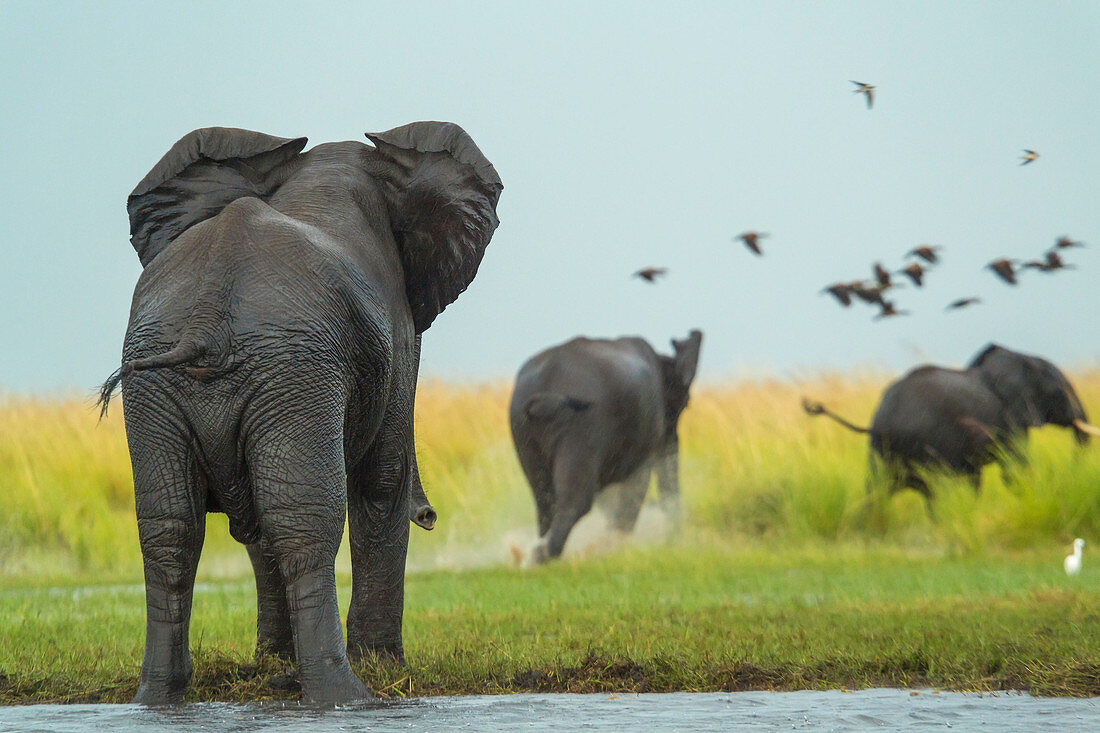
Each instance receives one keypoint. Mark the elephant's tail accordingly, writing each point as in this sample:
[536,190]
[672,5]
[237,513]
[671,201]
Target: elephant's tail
[547,405]
[186,351]
[816,408]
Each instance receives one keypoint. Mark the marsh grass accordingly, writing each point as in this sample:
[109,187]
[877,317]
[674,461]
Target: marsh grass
[754,469]
[787,573]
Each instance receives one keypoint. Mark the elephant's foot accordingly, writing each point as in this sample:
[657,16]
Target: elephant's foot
[540,554]
[163,690]
[278,645]
[332,682]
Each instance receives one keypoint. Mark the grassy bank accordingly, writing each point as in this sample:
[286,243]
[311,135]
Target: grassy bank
[704,617]
[779,579]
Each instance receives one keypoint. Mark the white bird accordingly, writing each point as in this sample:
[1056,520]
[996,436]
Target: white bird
[1072,563]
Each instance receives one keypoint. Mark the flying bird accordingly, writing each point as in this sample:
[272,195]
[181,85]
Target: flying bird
[1052,262]
[867,293]
[841,291]
[1029,156]
[889,310]
[1004,269]
[752,240]
[650,274]
[882,275]
[1064,242]
[867,89]
[915,273]
[925,252]
[962,303]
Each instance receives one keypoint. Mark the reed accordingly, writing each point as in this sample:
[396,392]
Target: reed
[755,470]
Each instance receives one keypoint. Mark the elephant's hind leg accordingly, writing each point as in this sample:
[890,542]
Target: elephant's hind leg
[576,481]
[296,468]
[171,516]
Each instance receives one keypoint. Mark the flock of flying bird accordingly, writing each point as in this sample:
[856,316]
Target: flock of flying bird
[873,291]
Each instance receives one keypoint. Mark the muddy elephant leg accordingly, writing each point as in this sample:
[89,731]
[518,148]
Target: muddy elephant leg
[296,467]
[378,523]
[575,485]
[627,503]
[171,517]
[668,482]
[274,634]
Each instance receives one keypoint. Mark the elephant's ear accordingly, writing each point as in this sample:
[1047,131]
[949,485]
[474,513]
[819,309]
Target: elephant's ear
[687,356]
[442,193]
[678,372]
[202,173]
[1013,378]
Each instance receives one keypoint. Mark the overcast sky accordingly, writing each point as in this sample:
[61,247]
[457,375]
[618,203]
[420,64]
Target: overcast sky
[627,135]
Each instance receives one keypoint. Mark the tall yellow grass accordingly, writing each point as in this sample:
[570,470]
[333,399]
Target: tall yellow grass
[754,467]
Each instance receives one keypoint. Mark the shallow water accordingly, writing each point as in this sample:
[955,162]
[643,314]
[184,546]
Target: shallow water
[833,710]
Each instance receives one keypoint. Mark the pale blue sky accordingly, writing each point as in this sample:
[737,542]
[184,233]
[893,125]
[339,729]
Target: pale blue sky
[627,134]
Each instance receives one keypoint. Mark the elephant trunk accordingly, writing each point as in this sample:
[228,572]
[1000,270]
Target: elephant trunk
[421,511]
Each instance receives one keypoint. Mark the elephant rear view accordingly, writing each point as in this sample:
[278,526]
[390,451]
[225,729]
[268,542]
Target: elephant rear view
[269,373]
[590,413]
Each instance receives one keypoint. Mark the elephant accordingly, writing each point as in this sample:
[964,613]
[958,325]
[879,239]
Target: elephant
[959,420]
[590,413]
[269,372]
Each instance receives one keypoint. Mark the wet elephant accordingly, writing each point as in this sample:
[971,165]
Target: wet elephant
[269,371]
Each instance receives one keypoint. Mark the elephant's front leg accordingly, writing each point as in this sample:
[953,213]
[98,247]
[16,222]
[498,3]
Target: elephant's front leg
[378,524]
[668,481]
[274,634]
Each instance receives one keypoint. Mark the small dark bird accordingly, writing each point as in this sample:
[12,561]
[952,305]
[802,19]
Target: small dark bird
[1029,156]
[882,275]
[915,273]
[889,310]
[841,291]
[650,274]
[1005,269]
[926,253]
[1064,242]
[1052,262]
[867,89]
[752,240]
[962,303]
[867,293]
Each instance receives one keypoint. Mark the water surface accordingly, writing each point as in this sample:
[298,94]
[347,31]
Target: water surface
[833,710]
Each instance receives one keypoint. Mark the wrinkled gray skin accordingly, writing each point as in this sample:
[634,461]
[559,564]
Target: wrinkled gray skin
[961,420]
[591,413]
[269,370]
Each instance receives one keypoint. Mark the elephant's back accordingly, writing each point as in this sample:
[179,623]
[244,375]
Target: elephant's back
[919,415]
[619,386]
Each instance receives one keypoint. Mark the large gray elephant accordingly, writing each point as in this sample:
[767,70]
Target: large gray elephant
[590,413]
[963,419]
[269,371]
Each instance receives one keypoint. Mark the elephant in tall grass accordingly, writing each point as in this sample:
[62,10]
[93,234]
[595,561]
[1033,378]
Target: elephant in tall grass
[269,370]
[590,413]
[963,419]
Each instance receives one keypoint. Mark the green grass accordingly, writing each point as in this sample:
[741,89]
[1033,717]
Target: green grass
[783,576]
[694,615]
